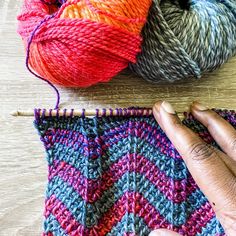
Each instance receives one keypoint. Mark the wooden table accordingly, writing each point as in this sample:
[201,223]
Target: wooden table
[23,168]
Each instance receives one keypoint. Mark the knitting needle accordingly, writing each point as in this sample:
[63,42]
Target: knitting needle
[84,112]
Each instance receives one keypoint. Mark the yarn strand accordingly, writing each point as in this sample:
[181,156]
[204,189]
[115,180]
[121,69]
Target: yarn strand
[27,61]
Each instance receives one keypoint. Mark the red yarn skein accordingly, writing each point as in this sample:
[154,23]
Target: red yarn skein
[81,42]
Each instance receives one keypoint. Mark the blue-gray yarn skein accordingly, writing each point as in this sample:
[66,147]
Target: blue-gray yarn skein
[182,41]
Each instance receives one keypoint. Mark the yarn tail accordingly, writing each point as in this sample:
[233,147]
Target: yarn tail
[27,61]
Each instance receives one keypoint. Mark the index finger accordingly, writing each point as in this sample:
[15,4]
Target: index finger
[203,161]
[221,130]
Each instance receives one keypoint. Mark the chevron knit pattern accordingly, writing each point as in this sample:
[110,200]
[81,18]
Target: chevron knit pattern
[120,176]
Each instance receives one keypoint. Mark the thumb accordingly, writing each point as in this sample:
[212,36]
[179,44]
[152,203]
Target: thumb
[163,232]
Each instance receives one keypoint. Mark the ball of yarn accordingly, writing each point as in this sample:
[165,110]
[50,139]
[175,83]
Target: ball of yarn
[81,42]
[183,39]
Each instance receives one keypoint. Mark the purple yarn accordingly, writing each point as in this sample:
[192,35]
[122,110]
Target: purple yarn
[27,60]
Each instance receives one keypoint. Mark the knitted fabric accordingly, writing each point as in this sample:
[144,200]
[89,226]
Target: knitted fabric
[185,40]
[121,176]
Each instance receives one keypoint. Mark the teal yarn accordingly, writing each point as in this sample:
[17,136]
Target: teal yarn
[184,39]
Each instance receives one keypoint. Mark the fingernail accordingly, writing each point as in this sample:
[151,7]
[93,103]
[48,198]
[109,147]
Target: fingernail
[163,232]
[156,233]
[198,106]
[167,107]
[157,106]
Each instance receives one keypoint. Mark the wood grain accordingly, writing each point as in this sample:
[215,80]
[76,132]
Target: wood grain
[23,167]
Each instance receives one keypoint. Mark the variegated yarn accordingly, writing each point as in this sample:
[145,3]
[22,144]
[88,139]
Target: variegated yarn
[78,43]
[183,39]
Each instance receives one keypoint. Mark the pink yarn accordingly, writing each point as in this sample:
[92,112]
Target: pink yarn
[78,52]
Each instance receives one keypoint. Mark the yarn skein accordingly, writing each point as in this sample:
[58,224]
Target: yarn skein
[183,39]
[78,43]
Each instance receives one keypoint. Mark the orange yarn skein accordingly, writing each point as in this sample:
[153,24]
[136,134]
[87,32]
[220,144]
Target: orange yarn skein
[123,14]
[82,42]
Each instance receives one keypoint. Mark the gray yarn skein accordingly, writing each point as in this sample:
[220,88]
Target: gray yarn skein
[181,43]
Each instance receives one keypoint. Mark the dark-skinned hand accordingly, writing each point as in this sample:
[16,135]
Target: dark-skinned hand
[213,170]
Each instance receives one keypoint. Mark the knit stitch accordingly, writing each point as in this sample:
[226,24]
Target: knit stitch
[120,175]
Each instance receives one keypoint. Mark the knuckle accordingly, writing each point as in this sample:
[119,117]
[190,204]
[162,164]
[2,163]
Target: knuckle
[233,143]
[201,151]
[233,188]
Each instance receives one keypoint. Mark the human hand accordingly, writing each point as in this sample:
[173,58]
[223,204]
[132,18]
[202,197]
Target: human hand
[213,170]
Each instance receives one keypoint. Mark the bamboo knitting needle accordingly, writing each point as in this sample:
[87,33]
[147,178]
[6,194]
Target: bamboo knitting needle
[89,112]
